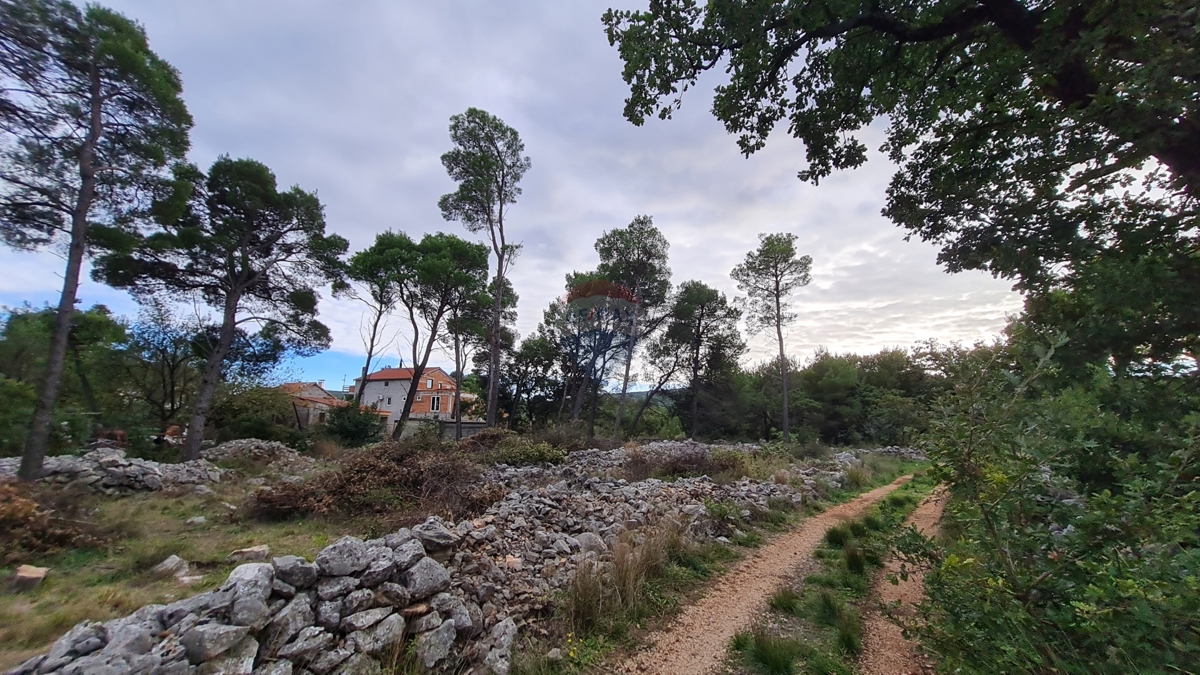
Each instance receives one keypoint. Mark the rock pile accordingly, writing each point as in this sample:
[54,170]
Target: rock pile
[275,456]
[108,470]
[355,603]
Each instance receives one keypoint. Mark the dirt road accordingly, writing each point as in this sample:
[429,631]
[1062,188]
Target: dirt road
[696,642]
[885,651]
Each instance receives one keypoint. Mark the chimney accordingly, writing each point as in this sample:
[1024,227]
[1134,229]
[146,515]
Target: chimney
[321,383]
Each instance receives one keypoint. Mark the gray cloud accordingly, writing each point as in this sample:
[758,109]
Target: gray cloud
[353,99]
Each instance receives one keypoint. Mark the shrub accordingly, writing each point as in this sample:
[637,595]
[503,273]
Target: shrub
[857,528]
[354,426]
[857,477]
[872,522]
[837,535]
[485,440]
[28,528]
[518,451]
[387,479]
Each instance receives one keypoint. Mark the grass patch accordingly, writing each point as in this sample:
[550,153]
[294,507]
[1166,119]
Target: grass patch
[769,654]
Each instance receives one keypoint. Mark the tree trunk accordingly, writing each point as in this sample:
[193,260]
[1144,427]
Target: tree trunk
[616,437]
[458,368]
[418,371]
[362,382]
[637,418]
[592,414]
[494,342]
[783,375]
[38,439]
[695,406]
[208,385]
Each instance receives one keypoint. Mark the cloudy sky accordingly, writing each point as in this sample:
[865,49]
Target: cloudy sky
[353,99]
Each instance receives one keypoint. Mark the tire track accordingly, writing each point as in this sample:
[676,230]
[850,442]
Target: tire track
[696,642]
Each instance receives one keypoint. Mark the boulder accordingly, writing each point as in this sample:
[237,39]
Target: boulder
[294,570]
[434,534]
[360,664]
[328,660]
[392,594]
[331,588]
[344,556]
[363,598]
[239,660]
[172,566]
[206,642]
[380,638]
[293,618]
[435,645]
[398,538]
[408,553]
[426,578]
[259,553]
[363,620]
[308,646]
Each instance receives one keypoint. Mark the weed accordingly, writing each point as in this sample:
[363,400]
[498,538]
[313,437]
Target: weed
[857,477]
[786,600]
[856,562]
[747,539]
[873,523]
[849,633]
[769,654]
[837,535]
[828,608]
[857,528]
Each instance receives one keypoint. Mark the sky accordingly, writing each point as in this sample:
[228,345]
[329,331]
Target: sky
[352,100]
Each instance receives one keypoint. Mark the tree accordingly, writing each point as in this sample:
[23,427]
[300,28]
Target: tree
[769,276]
[160,362]
[232,240]
[488,164]
[372,278]
[1053,143]
[89,118]
[704,325]
[434,276]
[636,257]
[466,331]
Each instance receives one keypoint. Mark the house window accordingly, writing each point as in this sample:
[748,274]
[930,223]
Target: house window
[435,404]
[429,384]
[389,400]
[320,418]
[386,383]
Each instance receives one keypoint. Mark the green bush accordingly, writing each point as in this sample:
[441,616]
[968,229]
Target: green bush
[518,451]
[1077,516]
[354,426]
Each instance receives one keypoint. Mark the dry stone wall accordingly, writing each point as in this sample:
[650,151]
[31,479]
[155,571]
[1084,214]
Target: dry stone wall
[459,591]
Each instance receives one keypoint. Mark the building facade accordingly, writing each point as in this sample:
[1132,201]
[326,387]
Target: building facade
[387,389]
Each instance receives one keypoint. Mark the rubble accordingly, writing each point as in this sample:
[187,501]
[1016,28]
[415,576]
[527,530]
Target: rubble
[109,471]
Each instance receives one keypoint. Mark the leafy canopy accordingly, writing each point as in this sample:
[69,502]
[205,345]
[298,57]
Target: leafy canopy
[769,276]
[1053,143]
[71,78]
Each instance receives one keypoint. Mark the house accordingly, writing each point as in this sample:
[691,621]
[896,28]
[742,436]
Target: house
[387,390]
[310,402]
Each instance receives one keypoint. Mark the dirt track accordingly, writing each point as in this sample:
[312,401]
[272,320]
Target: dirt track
[696,642]
[885,651]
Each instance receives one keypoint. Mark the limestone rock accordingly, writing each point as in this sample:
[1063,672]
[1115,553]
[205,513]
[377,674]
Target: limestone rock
[344,556]
[363,620]
[330,588]
[239,660]
[380,638]
[293,618]
[259,553]
[360,664]
[408,553]
[308,646]
[426,578]
[294,570]
[28,578]
[435,645]
[204,643]
[434,534]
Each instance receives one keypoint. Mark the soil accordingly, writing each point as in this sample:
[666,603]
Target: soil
[885,649]
[697,641]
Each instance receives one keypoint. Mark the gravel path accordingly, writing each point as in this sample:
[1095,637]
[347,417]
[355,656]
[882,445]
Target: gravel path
[697,641]
[885,650]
